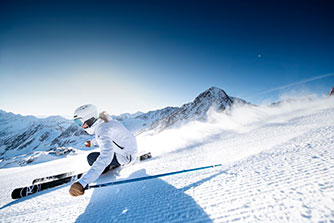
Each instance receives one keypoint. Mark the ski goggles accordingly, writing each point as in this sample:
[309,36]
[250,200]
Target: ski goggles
[78,121]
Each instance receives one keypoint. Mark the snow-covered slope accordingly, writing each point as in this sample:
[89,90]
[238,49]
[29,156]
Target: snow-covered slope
[277,166]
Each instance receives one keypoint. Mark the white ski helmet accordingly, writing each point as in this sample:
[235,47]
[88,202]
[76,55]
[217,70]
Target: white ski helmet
[86,114]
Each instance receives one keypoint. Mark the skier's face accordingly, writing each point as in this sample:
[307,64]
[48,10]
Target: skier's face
[84,126]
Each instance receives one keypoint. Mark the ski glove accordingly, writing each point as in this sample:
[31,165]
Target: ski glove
[77,189]
[88,143]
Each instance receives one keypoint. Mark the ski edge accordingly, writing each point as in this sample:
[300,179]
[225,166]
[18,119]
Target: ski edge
[52,178]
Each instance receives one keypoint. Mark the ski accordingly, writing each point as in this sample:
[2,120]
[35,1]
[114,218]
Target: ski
[44,183]
[63,175]
[26,191]
[52,178]
[145,156]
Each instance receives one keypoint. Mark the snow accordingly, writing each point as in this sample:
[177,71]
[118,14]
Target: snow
[277,166]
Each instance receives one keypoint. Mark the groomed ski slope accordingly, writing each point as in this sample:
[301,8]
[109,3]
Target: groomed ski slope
[278,166]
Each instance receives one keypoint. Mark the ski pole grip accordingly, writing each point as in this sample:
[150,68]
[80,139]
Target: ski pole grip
[88,143]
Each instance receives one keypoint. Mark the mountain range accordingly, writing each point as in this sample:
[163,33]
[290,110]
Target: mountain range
[27,139]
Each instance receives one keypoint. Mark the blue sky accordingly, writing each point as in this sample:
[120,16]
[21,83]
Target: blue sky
[128,56]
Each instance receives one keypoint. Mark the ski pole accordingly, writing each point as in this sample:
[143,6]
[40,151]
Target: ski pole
[149,177]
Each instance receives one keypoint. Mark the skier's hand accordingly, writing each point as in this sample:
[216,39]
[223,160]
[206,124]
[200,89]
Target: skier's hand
[88,143]
[77,189]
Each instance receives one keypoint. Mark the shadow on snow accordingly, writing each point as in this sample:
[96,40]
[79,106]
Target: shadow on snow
[146,201]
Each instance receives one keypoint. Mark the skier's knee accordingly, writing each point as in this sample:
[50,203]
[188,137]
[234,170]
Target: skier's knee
[92,157]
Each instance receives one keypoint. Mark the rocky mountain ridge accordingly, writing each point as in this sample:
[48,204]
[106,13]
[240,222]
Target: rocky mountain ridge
[213,98]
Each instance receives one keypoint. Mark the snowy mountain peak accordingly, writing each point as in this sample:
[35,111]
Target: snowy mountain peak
[212,95]
[197,110]
[213,92]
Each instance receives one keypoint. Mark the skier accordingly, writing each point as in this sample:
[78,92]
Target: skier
[117,144]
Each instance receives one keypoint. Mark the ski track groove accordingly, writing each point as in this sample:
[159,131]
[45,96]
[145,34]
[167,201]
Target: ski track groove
[298,178]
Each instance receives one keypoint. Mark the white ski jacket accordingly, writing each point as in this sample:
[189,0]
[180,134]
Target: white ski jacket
[113,139]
